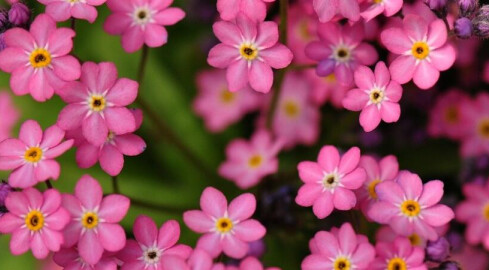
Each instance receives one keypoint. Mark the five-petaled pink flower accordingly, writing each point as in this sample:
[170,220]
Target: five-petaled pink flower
[94,220]
[254,9]
[62,10]
[39,60]
[446,116]
[152,246]
[329,183]
[31,157]
[328,9]
[340,50]
[35,220]
[341,250]
[423,51]
[225,228]
[141,22]
[400,254]
[249,50]
[376,96]
[410,207]
[97,103]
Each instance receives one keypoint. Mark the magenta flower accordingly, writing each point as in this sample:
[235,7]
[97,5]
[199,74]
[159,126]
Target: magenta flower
[62,10]
[151,246]
[69,258]
[249,162]
[225,228]
[39,60]
[93,227]
[329,183]
[141,22]
[474,120]
[399,254]
[327,9]
[31,157]
[373,8]
[254,9]
[10,114]
[423,51]
[249,50]
[387,234]
[97,103]
[474,212]
[339,251]
[35,221]
[410,207]
[376,96]
[446,115]
[217,105]
[340,50]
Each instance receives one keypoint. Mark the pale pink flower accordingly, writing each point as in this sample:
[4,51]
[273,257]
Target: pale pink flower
[470,257]
[302,29]
[373,8]
[39,60]
[69,258]
[399,254]
[31,157]
[94,220]
[35,221]
[200,260]
[10,114]
[254,9]
[376,95]
[328,9]
[340,50]
[313,247]
[62,10]
[329,182]
[387,234]
[327,89]
[226,229]
[422,48]
[141,22]
[475,119]
[249,50]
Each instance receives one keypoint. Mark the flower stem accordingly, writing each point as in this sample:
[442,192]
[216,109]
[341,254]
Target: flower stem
[49,184]
[142,63]
[73,23]
[115,185]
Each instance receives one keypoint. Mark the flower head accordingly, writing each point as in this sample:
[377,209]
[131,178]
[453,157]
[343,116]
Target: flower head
[399,254]
[254,9]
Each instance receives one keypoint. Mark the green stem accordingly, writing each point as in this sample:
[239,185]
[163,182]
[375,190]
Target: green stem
[115,185]
[142,64]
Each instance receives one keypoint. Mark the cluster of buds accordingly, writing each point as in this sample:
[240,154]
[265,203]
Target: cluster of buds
[18,15]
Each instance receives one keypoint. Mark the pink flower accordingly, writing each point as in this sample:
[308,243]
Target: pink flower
[69,258]
[141,22]
[340,50]
[62,10]
[399,254]
[225,228]
[35,220]
[200,260]
[423,51]
[9,113]
[339,251]
[327,89]
[110,155]
[377,172]
[373,8]
[39,60]
[474,212]
[386,234]
[249,50]
[327,9]
[217,105]
[249,162]
[254,9]
[152,247]
[329,183]
[475,118]
[376,96]
[410,207]
[97,103]
[31,157]
[93,227]
[301,30]
[470,257]
[335,232]
[252,263]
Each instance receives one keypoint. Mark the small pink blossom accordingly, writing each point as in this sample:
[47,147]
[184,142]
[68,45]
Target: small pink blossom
[39,60]
[341,249]
[94,220]
[328,9]
[327,89]
[340,50]
[31,157]
[62,10]
[399,254]
[97,103]
[301,30]
[35,221]
[474,116]
[377,96]
[329,183]
[410,207]
[387,234]
[254,9]
[226,229]
[69,258]
[313,246]
[141,22]
[249,50]
[373,8]
[422,48]
[10,114]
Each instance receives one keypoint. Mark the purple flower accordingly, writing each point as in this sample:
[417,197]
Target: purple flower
[19,14]
[463,28]
[438,251]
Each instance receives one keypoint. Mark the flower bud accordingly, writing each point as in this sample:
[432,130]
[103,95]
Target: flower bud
[467,7]
[437,5]
[5,189]
[438,251]
[3,20]
[463,28]
[19,14]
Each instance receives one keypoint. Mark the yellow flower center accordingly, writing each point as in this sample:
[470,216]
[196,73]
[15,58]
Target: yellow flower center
[89,220]
[33,154]
[371,189]
[486,212]
[342,263]
[330,78]
[227,96]
[376,96]
[451,115]
[73,1]
[377,1]
[248,51]
[415,239]
[40,58]
[396,263]
[303,30]
[410,208]
[224,225]
[291,109]
[483,128]
[420,50]
[255,161]
[34,220]
[96,103]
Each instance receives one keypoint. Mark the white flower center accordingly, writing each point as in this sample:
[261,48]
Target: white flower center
[142,15]
[152,255]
